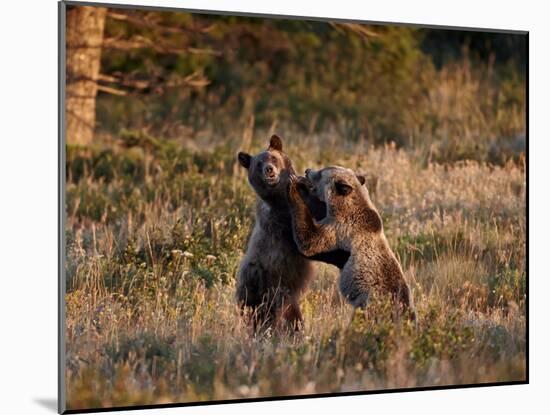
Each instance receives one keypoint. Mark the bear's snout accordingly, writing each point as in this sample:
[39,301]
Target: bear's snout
[271,174]
[269,170]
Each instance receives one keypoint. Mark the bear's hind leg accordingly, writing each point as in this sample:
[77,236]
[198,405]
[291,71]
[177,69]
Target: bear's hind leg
[254,297]
[293,315]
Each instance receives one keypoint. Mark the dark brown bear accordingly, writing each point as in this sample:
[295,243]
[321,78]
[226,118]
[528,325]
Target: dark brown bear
[273,273]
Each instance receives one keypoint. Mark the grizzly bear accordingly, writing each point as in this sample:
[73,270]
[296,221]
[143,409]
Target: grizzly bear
[352,223]
[273,273]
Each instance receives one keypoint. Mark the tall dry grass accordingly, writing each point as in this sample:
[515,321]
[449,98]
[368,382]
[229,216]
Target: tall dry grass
[155,234]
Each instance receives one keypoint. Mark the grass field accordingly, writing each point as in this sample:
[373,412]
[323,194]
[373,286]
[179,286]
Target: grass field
[155,232]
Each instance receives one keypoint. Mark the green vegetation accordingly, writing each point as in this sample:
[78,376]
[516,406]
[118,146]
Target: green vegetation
[456,95]
[159,211]
[152,259]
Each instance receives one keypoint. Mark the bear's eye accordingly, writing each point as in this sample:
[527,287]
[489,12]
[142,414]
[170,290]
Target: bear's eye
[276,161]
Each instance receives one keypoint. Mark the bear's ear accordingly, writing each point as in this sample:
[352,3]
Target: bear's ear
[361,179]
[342,188]
[244,159]
[276,143]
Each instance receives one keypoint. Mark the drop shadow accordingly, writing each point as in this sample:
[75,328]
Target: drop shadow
[48,403]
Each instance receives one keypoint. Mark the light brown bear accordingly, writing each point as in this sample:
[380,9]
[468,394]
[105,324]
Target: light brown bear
[353,224]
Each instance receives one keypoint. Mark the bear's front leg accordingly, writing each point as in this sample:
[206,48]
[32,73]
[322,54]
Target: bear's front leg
[310,238]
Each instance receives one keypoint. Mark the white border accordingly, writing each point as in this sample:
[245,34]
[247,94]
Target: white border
[28,170]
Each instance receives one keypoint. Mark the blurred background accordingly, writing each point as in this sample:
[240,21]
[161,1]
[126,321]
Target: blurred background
[454,94]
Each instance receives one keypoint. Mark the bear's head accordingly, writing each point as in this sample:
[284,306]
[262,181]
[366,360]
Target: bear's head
[334,190]
[269,172]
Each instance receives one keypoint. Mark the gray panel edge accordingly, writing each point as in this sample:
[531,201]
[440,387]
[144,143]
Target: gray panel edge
[61,363]
[293,17]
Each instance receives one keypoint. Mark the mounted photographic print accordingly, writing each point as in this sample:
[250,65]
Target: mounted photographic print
[278,207]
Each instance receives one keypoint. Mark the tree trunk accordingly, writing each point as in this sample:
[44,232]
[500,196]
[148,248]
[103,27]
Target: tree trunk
[84,40]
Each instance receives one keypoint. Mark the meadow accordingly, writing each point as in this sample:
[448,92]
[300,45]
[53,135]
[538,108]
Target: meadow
[155,231]
[158,211]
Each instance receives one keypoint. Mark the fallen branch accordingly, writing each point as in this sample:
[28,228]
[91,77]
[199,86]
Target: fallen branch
[140,42]
[144,22]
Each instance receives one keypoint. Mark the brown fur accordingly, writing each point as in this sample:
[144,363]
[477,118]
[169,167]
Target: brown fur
[351,223]
[273,273]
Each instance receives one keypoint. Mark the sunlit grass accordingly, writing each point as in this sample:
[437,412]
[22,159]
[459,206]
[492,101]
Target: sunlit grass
[154,239]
